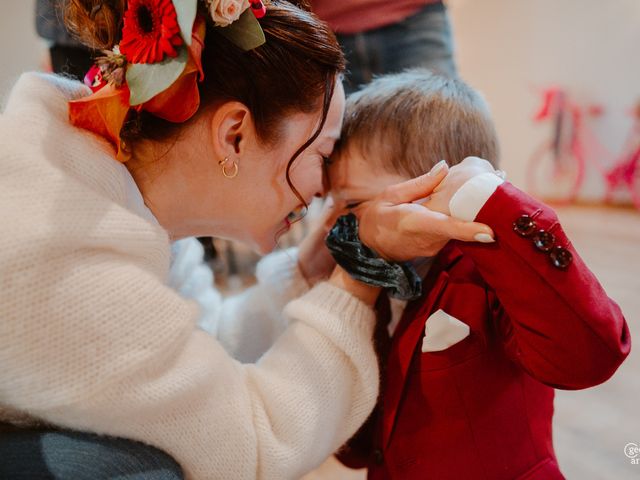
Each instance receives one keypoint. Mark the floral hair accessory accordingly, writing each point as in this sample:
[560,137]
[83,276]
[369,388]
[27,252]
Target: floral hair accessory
[259,10]
[225,12]
[158,63]
[238,24]
[94,79]
[150,32]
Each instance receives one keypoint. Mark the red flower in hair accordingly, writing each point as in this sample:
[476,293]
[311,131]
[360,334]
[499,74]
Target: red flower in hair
[150,32]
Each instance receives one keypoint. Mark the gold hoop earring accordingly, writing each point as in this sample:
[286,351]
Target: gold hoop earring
[223,164]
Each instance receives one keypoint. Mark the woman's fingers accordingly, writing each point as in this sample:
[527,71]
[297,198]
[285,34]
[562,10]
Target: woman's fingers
[466,231]
[329,214]
[314,260]
[417,188]
[408,230]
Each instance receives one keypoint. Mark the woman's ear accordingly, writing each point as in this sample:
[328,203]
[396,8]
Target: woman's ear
[231,127]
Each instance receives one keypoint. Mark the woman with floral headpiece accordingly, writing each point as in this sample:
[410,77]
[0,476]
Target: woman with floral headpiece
[200,118]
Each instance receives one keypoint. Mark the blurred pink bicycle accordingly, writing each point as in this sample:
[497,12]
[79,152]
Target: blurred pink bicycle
[557,168]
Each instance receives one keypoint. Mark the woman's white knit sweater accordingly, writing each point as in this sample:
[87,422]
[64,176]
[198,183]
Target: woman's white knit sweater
[92,338]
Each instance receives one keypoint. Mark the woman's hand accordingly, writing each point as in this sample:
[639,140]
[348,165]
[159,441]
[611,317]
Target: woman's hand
[368,294]
[458,176]
[314,260]
[399,230]
[316,263]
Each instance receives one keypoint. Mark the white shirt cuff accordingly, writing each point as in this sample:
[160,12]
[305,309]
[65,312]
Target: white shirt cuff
[467,202]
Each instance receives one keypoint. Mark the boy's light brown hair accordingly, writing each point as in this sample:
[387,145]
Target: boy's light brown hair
[410,121]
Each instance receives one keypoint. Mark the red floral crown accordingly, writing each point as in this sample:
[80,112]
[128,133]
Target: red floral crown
[158,63]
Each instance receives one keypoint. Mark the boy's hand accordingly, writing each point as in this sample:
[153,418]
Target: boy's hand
[399,230]
[458,176]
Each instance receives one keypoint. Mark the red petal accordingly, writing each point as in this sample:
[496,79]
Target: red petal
[150,47]
[197,43]
[103,113]
[154,55]
[166,47]
[181,100]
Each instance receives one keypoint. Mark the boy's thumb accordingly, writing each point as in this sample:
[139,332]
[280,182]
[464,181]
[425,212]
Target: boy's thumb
[419,187]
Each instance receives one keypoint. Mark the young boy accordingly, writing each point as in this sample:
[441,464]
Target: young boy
[470,369]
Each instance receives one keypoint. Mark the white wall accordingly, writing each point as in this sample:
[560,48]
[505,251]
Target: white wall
[506,48]
[20,48]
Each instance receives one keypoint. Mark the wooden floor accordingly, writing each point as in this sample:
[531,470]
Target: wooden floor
[591,426]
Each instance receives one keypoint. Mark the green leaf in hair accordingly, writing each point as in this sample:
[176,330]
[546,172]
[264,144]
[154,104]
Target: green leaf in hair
[146,80]
[245,32]
[186,12]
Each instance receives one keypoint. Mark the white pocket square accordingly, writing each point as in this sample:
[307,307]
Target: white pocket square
[441,331]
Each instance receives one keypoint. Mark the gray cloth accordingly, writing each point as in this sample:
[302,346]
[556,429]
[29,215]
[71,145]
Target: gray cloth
[50,24]
[67,455]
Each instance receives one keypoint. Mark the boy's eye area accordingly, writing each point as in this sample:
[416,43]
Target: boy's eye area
[326,160]
[352,205]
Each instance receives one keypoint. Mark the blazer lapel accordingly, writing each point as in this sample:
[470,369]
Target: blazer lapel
[408,334]
[402,348]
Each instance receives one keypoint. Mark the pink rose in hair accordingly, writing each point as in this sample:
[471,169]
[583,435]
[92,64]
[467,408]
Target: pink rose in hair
[225,12]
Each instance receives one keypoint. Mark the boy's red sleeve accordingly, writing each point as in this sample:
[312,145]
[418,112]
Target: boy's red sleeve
[555,317]
[357,452]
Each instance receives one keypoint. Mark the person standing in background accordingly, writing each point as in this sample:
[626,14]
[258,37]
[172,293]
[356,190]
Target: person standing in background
[380,37]
[67,55]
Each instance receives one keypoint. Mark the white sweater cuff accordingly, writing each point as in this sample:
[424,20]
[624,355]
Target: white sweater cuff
[325,301]
[467,202]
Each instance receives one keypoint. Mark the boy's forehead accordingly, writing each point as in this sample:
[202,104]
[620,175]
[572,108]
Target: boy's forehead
[356,174]
[349,165]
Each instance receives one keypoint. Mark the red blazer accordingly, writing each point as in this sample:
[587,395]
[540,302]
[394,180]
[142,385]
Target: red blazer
[482,408]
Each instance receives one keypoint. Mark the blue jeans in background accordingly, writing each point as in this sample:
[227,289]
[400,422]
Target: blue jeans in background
[67,455]
[422,40]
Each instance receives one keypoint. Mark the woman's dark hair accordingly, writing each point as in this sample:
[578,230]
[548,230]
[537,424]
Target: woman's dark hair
[294,71]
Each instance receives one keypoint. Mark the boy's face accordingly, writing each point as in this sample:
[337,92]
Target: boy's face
[355,178]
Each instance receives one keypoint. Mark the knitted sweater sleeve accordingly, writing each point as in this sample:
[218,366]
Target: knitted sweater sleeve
[123,357]
[246,324]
